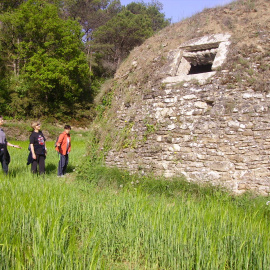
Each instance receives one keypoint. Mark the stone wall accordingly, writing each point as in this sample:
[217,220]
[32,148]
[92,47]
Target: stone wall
[208,132]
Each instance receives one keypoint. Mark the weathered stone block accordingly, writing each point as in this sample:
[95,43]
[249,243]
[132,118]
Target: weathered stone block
[201,105]
[220,166]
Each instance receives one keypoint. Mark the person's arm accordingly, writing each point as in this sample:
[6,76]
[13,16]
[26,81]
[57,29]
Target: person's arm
[13,145]
[32,141]
[69,144]
[60,141]
[33,151]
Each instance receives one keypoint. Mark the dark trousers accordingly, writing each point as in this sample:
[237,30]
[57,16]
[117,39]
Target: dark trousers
[62,165]
[3,161]
[40,162]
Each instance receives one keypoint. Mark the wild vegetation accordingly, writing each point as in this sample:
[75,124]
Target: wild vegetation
[55,54]
[98,217]
[103,218]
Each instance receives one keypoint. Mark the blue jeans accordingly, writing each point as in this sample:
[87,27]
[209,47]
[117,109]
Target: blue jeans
[62,165]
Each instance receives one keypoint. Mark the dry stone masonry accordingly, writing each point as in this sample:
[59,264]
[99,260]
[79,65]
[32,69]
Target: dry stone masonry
[197,59]
[197,126]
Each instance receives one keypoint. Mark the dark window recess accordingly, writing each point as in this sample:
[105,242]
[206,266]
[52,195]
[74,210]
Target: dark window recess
[200,69]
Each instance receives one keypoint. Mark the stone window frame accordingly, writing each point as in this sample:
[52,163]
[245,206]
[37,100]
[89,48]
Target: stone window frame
[180,66]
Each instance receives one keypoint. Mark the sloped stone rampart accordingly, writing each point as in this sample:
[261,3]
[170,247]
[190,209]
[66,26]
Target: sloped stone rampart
[205,133]
[208,132]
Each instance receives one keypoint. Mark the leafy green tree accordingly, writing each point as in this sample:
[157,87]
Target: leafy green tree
[158,18]
[3,84]
[9,4]
[117,37]
[92,14]
[136,22]
[151,10]
[44,55]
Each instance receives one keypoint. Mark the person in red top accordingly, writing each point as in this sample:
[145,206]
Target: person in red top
[63,147]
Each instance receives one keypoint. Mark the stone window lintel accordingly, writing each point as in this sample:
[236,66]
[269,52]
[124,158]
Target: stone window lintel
[203,56]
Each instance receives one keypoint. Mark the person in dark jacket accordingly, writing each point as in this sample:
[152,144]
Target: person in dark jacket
[63,147]
[38,149]
[4,155]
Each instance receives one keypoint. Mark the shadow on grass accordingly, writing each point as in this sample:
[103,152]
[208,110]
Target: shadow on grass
[51,168]
[70,168]
[14,172]
[114,177]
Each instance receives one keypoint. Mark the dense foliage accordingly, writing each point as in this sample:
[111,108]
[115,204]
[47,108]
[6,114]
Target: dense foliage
[55,54]
[44,60]
[134,24]
[9,4]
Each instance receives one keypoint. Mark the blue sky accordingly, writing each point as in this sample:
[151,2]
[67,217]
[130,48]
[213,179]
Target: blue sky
[180,9]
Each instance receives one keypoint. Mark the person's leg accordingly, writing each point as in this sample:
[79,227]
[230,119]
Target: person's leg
[41,164]
[3,162]
[61,165]
[65,165]
[34,166]
[5,166]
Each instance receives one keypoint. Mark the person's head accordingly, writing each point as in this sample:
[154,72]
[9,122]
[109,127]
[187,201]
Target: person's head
[67,128]
[1,120]
[35,125]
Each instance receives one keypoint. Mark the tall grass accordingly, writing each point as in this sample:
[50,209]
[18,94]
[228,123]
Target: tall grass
[110,220]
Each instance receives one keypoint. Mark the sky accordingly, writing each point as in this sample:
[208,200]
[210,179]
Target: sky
[178,10]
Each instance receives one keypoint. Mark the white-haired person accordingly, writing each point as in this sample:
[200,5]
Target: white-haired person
[4,155]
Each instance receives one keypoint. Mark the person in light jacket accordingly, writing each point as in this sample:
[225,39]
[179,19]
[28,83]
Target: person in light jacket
[63,147]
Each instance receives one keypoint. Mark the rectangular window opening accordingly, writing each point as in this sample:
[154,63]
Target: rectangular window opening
[200,61]
[197,69]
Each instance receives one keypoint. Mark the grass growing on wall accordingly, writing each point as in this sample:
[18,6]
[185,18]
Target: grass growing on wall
[110,220]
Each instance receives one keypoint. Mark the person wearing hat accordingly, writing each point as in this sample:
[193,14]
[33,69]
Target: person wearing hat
[38,149]
[4,155]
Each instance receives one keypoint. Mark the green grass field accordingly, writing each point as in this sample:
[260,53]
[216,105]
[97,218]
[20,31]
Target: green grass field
[106,219]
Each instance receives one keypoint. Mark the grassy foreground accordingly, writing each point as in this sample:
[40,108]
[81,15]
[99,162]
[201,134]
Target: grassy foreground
[109,220]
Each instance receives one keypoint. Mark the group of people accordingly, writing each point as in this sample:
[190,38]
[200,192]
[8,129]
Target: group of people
[38,150]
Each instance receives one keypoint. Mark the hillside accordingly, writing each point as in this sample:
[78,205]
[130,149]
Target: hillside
[204,130]
[246,20]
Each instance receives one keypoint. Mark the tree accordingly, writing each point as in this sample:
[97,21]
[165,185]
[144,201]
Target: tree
[153,11]
[9,4]
[115,39]
[131,27]
[3,84]
[92,14]
[158,19]
[44,54]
